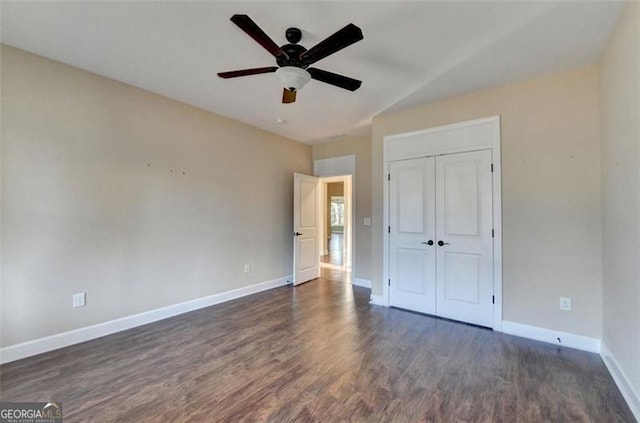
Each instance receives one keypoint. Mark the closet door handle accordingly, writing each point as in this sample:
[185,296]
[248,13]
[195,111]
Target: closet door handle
[441,243]
[297,234]
[430,242]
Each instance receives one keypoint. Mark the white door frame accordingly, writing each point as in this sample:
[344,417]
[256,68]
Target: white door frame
[340,167]
[454,138]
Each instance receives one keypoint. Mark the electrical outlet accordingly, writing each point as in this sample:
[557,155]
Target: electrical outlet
[366,221]
[79,300]
[565,303]
[247,268]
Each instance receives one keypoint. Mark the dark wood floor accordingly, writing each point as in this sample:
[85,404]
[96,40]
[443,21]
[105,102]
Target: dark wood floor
[318,352]
[336,255]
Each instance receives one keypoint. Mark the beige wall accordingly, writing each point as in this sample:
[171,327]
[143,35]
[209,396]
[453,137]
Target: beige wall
[551,193]
[95,199]
[621,193]
[361,148]
[335,189]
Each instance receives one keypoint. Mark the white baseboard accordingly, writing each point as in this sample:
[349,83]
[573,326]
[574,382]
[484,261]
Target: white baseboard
[551,336]
[622,381]
[377,300]
[365,283]
[64,339]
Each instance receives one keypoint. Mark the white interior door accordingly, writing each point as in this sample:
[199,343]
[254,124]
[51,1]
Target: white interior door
[412,235]
[306,228]
[464,251]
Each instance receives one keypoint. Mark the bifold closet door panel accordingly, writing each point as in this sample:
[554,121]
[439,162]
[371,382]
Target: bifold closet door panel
[464,244]
[411,234]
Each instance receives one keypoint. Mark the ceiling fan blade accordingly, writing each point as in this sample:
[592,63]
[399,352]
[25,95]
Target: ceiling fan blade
[334,79]
[288,96]
[344,38]
[254,31]
[246,72]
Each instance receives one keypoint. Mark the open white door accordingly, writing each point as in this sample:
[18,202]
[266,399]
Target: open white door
[306,222]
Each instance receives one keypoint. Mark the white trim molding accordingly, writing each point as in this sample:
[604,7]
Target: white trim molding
[551,336]
[622,381]
[365,283]
[335,166]
[76,336]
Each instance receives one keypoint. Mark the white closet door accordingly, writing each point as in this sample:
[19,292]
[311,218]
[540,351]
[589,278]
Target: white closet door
[412,226]
[464,251]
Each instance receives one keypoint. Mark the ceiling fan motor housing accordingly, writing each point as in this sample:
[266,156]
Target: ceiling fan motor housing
[293,52]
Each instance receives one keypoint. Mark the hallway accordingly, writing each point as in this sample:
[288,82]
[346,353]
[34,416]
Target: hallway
[336,251]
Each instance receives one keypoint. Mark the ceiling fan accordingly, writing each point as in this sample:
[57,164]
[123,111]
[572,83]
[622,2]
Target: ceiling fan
[293,60]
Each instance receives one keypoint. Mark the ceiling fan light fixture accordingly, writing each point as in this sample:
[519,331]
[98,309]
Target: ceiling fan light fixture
[293,78]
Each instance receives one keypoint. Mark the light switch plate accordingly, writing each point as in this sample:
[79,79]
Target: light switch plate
[565,303]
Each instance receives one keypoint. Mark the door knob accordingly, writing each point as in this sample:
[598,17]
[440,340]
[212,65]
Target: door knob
[441,243]
[297,233]
[430,242]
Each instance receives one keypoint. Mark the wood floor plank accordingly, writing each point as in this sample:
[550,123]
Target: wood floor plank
[316,353]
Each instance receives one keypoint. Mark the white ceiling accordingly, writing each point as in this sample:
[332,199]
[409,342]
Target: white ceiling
[412,52]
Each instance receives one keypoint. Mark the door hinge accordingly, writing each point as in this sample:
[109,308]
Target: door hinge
[493,233]
[388,229]
[491,167]
[388,176]
[389,283]
[493,299]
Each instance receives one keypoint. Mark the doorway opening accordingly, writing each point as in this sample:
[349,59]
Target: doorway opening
[320,213]
[336,223]
[334,248]
[338,169]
